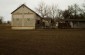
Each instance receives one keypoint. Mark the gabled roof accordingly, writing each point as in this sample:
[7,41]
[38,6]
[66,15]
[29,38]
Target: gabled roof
[26,7]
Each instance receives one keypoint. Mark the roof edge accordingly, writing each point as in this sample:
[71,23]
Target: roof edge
[27,7]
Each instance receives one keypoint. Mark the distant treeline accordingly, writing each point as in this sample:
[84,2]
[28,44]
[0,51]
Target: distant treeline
[74,11]
[2,22]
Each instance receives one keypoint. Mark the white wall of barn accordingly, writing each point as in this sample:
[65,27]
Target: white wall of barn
[23,18]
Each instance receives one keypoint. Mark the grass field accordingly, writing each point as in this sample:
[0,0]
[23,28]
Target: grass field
[42,42]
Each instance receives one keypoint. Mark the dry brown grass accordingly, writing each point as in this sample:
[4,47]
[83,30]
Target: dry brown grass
[42,42]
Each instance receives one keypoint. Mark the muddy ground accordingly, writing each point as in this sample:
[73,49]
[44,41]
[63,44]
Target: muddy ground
[42,42]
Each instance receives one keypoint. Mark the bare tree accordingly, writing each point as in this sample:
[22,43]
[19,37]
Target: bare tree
[53,11]
[83,9]
[73,12]
[42,9]
[60,14]
[1,21]
[76,10]
[47,11]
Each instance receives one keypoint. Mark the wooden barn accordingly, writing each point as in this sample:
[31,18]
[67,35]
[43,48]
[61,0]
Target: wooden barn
[24,18]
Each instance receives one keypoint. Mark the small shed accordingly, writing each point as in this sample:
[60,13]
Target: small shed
[71,23]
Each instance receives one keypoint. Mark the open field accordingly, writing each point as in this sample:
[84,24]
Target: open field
[42,42]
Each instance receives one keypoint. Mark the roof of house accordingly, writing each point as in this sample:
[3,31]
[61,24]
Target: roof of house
[70,19]
[48,19]
[26,7]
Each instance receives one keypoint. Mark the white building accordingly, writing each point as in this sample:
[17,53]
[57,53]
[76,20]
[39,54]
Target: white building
[24,18]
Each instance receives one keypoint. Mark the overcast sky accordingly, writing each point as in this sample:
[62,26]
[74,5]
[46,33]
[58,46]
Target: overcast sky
[7,6]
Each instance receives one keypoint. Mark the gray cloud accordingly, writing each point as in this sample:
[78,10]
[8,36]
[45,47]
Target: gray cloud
[7,6]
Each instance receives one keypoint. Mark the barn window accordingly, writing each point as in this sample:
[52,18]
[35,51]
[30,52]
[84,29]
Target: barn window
[28,19]
[17,19]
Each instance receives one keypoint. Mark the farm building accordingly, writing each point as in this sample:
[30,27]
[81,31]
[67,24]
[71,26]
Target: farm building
[77,23]
[47,22]
[24,18]
[71,23]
